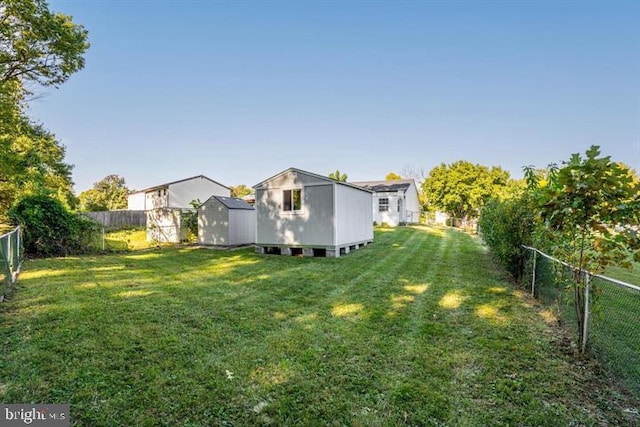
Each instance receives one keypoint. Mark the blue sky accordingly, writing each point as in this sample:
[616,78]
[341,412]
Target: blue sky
[239,91]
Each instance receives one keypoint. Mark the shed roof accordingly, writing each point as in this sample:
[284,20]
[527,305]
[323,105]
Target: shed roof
[157,187]
[233,203]
[385,186]
[321,177]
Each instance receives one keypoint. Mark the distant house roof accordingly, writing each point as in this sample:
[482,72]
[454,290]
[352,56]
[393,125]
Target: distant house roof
[324,178]
[385,186]
[233,203]
[157,187]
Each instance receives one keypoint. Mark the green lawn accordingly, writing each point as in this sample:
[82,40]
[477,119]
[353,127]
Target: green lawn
[127,240]
[419,328]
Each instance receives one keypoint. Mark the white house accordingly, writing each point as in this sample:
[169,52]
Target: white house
[177,194]
[226,221]
[165,205]
[394,202]
[302,213]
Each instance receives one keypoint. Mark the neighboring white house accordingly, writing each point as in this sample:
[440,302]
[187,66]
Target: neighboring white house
[394,202]
[165,205]
[302,213]
[177,194]
[226,221]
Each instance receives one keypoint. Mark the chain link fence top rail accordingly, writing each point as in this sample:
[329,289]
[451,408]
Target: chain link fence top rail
[614,318]
[11,255]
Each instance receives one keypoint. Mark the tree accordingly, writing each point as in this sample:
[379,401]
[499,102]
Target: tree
[462,188]
[240,191]
[392,176]
[108,194]
[590,209]
[37,45]
[31,160]
[338,176]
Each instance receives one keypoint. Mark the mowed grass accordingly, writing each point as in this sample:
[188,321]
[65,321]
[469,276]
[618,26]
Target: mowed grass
[419,328]
[127,239]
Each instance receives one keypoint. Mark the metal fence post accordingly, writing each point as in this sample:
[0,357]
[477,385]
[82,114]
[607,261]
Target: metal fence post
[533,280]
[585,326]
[18,239]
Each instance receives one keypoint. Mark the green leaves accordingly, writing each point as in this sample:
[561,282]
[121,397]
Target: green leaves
[462,188]
[110,193]
[37,45]
[590,211]
[338,176]
[240,190]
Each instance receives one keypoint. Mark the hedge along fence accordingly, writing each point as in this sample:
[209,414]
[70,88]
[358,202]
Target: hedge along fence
[612,326]
[11,256]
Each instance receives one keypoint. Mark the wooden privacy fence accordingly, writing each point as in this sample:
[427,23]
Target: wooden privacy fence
[119,219]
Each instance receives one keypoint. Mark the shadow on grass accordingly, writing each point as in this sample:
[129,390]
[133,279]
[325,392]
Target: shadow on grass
[417,328]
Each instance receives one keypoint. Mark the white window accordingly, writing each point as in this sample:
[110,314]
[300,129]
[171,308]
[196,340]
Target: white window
[383,205]
[292,200]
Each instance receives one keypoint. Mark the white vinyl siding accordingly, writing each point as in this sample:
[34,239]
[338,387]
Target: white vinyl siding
[331,215]
[181,194]
[221,226]
[354,218]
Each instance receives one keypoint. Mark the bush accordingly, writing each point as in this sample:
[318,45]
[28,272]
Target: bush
[189,223]
[505,226]
[50,229]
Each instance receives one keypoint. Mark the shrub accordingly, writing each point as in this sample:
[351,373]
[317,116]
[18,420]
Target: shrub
[506,225]
[50,229]
[189,222]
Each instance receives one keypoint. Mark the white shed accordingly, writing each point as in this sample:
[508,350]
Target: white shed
[164,225]
[226,221]
[302,213]
[394,202]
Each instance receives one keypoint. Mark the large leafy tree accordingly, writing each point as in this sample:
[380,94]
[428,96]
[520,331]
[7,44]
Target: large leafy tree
[108,194]
[590,208]
[37,47]
[31,159]
[240,190]
[462,188]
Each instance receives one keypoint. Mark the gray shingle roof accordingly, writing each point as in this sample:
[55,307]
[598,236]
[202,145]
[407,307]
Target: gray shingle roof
[233,203]
[384,186]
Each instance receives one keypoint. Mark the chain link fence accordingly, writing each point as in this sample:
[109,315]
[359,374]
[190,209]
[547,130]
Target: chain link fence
[615,328]
[11,255]
[613,312]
